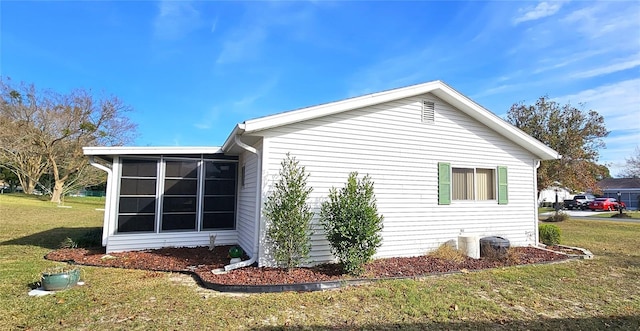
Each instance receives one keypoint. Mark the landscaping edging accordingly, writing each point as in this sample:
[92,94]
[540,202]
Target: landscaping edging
[321,285]
[586,254]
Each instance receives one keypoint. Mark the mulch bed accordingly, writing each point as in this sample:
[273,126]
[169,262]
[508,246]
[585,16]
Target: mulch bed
[202,261]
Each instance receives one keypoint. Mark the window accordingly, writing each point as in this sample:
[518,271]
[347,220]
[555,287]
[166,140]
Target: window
[475,184]
[219,195]
[179,201]
[137,203]
[160,195]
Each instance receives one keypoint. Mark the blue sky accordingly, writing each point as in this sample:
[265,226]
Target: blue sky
[193,69]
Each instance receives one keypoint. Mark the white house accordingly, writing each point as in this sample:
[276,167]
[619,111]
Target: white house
[443,166]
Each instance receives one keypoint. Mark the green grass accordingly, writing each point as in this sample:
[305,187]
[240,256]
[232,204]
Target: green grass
[587,294]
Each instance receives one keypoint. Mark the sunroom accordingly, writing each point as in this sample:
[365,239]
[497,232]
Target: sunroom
[162,197]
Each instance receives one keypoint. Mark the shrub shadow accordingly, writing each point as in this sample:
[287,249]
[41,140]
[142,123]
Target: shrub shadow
[51,238]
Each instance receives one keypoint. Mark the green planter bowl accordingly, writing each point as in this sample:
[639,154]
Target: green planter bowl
[235,252]
[60,280]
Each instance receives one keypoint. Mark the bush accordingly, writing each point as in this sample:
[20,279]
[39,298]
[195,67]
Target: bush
[289,231]
[557,217]
[549,234]
[352,224]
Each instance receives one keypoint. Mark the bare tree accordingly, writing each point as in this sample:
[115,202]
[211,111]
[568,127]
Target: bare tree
[56,126]
[17,152]
[632,165]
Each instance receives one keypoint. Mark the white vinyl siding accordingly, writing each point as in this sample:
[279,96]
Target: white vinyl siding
[246,219]
[390,143]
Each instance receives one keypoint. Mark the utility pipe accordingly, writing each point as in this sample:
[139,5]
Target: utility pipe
[107,204]
[256,248]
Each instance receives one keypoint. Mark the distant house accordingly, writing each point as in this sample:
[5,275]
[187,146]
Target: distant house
[443,166]
[629,189]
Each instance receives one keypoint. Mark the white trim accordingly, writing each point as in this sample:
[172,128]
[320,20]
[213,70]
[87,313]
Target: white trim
[437,88]
[150,150]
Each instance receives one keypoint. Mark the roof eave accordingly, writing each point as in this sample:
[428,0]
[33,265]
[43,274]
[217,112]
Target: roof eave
[149,150]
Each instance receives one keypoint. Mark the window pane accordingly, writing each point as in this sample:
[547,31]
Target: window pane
[185,169]
[137,186]
[137,205]
[181,187]
[218,221]
[219,203]
[179,204]
[139,168]
[462,184]
[136,223]
[485,183]
[220,187]
[179,222]
[220,170]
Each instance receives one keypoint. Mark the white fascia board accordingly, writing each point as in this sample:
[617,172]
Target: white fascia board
[438,88]
[237,130]
[496,123]
[304,114]
[149,150]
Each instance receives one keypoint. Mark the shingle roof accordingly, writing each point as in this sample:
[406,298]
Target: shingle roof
[619,183]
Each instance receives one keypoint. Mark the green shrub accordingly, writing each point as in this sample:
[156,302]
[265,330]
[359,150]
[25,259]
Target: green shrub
[549,234]
[352,224]
[289,230]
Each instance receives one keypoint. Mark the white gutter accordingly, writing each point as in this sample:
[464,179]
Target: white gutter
[256,247]
[536,165]
[107,204]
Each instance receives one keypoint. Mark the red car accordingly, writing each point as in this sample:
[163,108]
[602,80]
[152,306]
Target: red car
[605,204]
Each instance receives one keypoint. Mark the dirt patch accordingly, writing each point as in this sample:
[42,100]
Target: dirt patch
[202,261]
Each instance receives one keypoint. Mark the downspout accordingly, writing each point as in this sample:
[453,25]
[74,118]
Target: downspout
[256,247]
[107,204]
[536,165]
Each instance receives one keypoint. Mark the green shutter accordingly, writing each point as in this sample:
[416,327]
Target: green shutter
[503,190]
[444,183]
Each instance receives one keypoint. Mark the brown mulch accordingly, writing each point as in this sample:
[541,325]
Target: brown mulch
[202,261]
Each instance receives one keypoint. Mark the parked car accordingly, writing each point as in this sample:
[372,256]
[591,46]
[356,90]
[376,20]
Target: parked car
[606,204]
[580,201]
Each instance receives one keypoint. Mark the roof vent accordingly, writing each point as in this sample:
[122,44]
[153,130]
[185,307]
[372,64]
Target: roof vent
[428,111]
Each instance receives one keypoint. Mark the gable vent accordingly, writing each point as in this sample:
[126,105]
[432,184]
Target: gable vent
[428,111]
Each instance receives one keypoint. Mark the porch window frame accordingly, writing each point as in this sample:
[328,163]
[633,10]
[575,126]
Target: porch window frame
[160,178]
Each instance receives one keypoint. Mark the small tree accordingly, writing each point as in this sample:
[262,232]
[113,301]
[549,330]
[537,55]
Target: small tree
[352,224]
[289,216]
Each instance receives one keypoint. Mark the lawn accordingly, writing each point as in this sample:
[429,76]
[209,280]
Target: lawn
[587,294]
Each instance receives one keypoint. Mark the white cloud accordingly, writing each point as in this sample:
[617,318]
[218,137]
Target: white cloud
[619,65]
[243,45]
[258,93]
[209,119]
[176,19]
[543,9]
[619,104]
